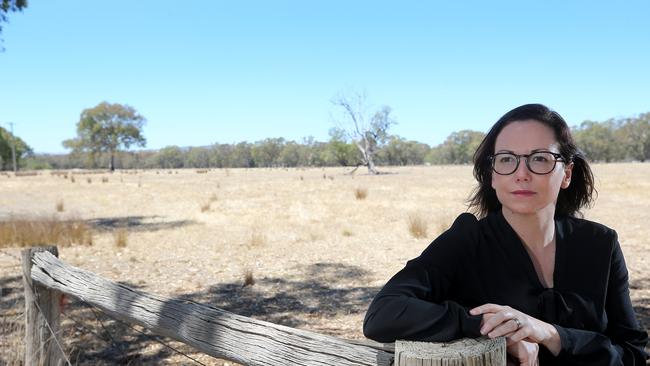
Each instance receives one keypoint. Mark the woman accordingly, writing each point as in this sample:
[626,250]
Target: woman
[555,285]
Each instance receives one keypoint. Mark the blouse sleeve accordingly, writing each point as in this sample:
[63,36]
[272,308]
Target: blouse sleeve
[412,306]
[624,340]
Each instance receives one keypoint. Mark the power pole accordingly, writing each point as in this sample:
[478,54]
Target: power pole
[13,146]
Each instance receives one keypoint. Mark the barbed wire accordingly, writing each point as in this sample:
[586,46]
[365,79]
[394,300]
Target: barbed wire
[52,333]
[149,336]
[112,341]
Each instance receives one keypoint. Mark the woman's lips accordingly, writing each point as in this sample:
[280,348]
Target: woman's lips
[523,193]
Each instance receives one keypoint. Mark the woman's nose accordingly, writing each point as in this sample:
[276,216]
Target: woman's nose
[522,173]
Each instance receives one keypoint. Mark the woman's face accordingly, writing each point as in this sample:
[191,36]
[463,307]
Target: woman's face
[524,192]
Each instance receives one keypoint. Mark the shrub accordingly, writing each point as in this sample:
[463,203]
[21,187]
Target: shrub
[360,193]
[417,225]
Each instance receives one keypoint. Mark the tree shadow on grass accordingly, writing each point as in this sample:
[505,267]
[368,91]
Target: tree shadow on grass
[290,301]
[91,337]
[136,223]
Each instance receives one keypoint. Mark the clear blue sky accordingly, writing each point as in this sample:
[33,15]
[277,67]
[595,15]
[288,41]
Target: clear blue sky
[227,71]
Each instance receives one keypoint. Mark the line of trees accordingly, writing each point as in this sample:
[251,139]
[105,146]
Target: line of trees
[623,139]
[105,132]
[613,140]
[271,152]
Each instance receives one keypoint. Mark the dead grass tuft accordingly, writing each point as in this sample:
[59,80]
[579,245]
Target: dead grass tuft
[360,193]
[89,180]
[27,232]
[205,206]
[59,206]
[213,197]
[72,180]
[257,239]
[347,232]
[249,280]
[104,179]
[417,225]
[120,235]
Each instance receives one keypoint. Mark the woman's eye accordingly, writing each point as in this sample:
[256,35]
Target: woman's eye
[540,158]
[506,159]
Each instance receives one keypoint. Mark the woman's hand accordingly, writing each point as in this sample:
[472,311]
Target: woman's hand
[501,320]
[524,352]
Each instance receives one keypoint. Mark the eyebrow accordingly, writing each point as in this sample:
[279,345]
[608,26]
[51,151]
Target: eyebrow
[531,151]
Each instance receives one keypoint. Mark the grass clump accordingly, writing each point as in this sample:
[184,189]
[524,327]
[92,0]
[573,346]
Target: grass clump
[120,235]
[257,238]
[417,225]
[28,232]
[205,206]
[59,206]
[249,280]
[360,193]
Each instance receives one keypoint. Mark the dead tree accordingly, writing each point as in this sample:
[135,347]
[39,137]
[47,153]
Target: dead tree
[366,131]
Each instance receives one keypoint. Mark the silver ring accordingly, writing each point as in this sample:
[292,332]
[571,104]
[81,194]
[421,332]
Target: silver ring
[518,322]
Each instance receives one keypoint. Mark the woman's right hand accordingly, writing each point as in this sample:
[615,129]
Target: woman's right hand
[524,352]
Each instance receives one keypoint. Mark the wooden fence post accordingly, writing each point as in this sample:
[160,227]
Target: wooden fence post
[463,352]
[42,323]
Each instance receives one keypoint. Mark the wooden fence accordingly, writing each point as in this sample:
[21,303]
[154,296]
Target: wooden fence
[210,330]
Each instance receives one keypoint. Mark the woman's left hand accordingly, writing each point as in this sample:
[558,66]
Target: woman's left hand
[501,320]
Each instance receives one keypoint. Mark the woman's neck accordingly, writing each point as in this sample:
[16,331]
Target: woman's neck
[537,230]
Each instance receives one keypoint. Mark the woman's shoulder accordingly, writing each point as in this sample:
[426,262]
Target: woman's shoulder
[464,230]
[579,226]
[586,232]
[455,242]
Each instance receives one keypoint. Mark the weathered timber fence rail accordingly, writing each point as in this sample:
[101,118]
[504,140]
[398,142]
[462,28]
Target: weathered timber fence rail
[213,331]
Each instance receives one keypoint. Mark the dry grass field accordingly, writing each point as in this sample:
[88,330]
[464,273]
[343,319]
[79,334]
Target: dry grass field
[306,248]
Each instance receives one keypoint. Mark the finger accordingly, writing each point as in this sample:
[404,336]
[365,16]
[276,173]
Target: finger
[504,329]
[495,320]
[521,334]
[486,308]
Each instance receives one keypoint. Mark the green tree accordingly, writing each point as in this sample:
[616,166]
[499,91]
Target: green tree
[6,141]
[292,155]
[266,153]
[458,148]
[8,6]
[170,157]
[107,128]
[242,156]
[599,141]
[635,137]
[197,157]
[339,151]
[399,151]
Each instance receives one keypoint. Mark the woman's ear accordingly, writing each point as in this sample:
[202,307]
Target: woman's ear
[568,169]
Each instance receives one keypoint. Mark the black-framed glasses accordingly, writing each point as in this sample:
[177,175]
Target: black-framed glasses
[539,162]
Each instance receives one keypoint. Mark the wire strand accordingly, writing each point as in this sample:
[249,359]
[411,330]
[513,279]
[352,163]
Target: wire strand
[47,323]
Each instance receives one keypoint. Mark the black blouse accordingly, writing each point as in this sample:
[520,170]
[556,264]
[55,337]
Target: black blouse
[478,262]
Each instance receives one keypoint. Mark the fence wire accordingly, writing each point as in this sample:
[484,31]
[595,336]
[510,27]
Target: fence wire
[112,341]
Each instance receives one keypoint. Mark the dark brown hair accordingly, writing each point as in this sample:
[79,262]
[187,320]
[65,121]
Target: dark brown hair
[580,192]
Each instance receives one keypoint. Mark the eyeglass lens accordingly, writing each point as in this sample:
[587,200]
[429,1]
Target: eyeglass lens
[539,162]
